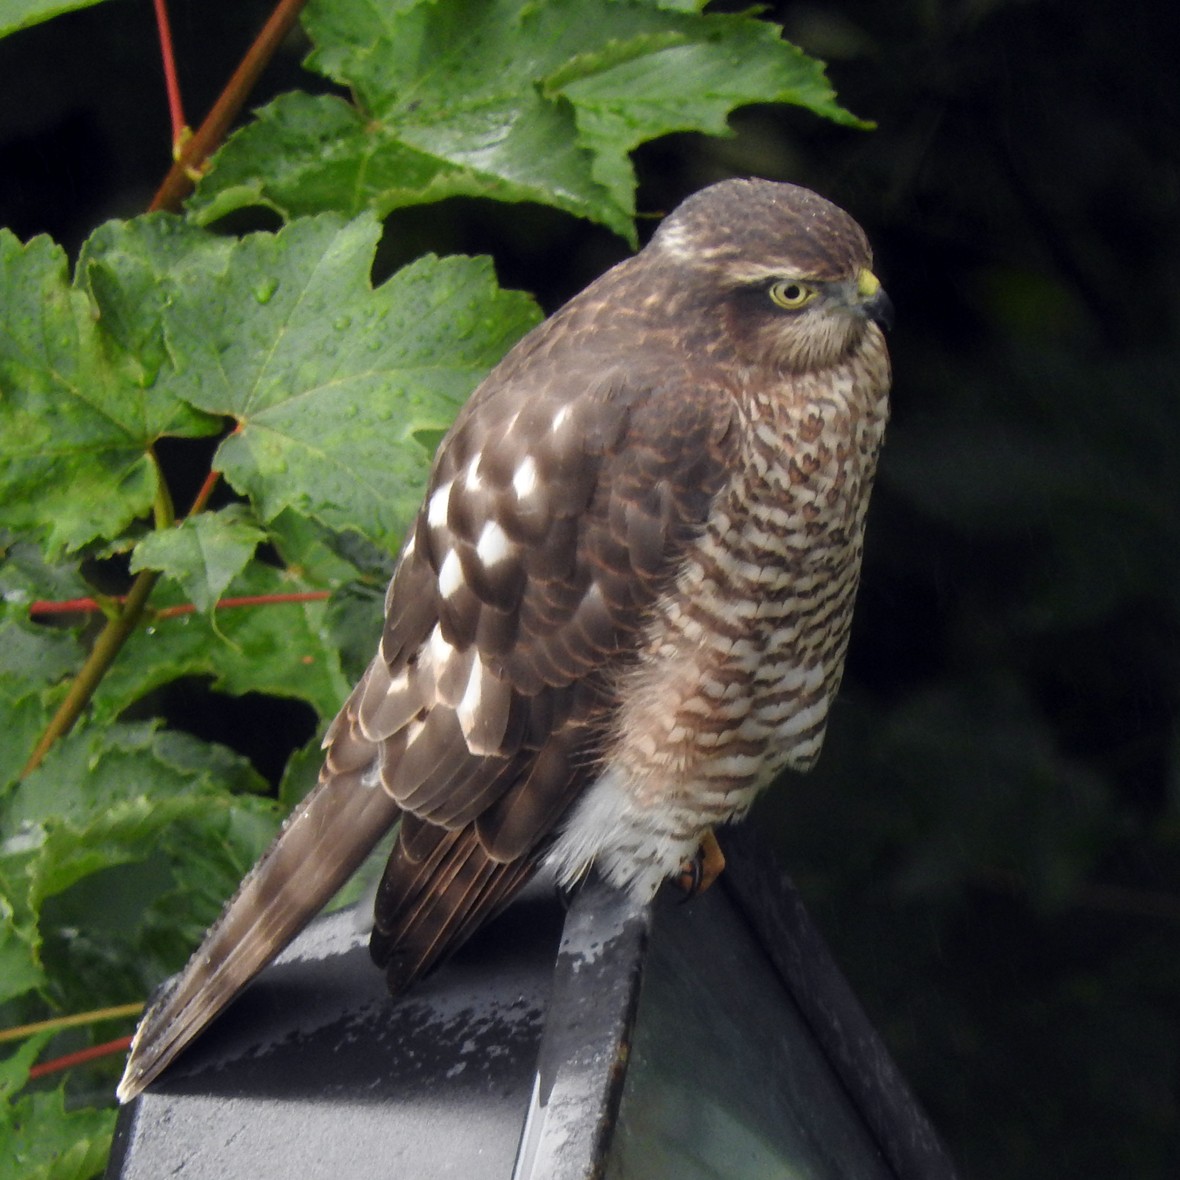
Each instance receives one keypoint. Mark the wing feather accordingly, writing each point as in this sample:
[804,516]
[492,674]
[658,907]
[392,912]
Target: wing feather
[617,475]
[558,507]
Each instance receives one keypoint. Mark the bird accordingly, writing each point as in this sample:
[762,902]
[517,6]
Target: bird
[621,611]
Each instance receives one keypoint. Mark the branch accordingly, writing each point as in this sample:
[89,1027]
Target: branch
[57,1023]
[106,647]
[196,151]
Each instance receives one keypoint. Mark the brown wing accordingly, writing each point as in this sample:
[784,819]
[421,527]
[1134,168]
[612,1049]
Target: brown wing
[557,506]
[551,525]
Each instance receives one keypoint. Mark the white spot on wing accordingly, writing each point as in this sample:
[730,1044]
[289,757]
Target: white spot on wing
[734,766]
[436,511]
[438,650]
[802,680]
[560,419]
[450,576]
[469,705]
[414,732]
[472,481]
[524,478]
[493,545]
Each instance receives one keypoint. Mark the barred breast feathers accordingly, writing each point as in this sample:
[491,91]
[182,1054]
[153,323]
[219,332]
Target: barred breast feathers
[743,656]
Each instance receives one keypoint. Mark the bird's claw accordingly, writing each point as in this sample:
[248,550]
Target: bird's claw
[702,869]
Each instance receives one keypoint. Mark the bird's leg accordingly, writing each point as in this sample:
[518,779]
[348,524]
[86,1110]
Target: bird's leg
[700,871]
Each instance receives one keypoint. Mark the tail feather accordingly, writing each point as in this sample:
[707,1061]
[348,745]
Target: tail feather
[429,903]
[320,846]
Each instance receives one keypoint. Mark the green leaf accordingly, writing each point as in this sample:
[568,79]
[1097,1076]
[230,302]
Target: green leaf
[112,795]
[281,649]
[354,619]
[87,807]
[329,379]
[324,557]
[36,658]
[14,1069]
[78,414]
[621,100]
[204,553]
[209,854]
[507,99]
[23,14]
[26,576]
[20,963]
[301,773]
[44,1141]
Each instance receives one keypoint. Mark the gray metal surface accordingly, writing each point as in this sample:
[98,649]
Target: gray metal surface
[710,1041]
[583,1059]
[316,1073]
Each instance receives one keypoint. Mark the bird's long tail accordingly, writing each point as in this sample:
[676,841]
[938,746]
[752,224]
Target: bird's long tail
[322,843]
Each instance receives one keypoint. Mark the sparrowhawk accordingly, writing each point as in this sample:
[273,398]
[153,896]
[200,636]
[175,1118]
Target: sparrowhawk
[622,609]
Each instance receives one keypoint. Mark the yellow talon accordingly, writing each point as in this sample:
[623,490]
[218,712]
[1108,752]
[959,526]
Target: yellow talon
[700,871]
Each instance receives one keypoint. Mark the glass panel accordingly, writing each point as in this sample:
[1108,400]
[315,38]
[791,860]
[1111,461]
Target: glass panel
[726,1080]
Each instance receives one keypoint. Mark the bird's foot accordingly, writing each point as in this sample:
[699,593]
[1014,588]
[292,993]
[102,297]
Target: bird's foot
[700,871]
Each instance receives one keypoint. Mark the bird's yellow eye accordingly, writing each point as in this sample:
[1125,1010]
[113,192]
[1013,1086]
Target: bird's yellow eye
[790,294]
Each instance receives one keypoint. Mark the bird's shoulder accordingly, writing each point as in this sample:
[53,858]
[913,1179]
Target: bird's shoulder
[558,510]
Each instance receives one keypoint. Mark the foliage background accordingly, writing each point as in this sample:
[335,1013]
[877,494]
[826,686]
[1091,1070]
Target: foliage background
[991,840]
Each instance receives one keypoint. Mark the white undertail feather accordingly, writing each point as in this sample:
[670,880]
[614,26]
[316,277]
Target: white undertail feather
[628,845]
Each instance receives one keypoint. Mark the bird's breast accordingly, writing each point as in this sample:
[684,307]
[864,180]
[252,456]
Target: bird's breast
[743,655]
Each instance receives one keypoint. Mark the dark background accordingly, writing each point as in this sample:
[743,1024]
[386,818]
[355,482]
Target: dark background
[992,840]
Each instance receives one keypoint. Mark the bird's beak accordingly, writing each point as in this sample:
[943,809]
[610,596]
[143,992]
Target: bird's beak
[871,301]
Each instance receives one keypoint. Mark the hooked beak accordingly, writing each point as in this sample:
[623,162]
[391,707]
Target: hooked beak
[872,301]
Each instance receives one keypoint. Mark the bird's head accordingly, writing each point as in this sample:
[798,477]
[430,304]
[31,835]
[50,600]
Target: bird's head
[784,273]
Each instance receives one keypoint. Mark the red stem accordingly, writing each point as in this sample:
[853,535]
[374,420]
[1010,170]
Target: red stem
[196,150]
[171,81]
[80,1058]
[81,606]
[71,606]
[169,612]
[207,487]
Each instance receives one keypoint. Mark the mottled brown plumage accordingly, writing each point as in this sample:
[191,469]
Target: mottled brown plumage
[623,607]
